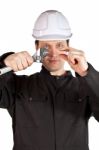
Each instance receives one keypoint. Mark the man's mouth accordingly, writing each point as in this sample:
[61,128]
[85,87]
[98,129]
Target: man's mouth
[53,60]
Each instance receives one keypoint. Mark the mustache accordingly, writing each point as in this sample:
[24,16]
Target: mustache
[53,57]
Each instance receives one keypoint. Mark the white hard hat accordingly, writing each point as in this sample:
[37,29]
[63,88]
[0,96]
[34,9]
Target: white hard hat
[51,25]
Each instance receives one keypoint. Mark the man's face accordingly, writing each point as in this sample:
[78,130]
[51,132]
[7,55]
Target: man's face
[53,61]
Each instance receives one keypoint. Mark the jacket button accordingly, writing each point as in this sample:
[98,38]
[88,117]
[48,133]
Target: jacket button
[79,99]
[30,99]
[57,77]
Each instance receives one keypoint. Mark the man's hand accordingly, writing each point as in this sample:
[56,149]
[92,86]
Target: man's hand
[76,59]
[19,61]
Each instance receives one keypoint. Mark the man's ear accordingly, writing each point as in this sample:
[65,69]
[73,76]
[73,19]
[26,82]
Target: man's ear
[36,44]
[67,42]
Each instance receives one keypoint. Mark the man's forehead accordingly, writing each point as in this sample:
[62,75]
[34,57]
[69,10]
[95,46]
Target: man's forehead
[52,41]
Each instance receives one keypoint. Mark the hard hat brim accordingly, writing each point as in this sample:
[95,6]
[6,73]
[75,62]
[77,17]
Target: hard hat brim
[52,37]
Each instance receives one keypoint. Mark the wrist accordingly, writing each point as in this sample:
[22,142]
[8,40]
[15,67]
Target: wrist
[84,73]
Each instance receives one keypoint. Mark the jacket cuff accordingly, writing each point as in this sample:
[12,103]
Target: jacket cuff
[90,71]
[92,79]
[2,57]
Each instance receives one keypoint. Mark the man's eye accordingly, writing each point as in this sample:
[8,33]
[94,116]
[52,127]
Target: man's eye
[60,46]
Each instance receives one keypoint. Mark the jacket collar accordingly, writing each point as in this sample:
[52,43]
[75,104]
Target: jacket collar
[46,72]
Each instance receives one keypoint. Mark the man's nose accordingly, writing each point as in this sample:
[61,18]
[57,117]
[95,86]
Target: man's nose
[54,52]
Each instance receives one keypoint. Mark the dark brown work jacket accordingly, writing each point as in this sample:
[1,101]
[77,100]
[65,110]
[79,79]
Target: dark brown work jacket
[50,112]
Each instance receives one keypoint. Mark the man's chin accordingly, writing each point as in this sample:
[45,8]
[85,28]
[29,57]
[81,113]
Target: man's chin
[53,69]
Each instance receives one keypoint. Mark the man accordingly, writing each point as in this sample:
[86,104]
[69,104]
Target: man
[50,110]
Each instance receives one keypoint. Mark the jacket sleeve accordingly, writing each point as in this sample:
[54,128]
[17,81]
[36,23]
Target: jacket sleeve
[2,57]
[91,85]
[7,87]
[10,86]
[7,90]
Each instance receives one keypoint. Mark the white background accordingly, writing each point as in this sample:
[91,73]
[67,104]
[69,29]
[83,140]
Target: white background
[17,18]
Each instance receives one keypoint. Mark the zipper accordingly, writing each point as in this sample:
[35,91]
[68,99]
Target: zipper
[53,109]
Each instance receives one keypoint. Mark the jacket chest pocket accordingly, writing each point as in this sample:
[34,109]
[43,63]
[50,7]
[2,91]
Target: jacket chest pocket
[73,97]
[74,104]
[32,102]
[37,99]
[29,98]
[37,104]
[31,109]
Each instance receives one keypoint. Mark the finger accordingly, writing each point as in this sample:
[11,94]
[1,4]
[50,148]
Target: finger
[21,61]
[28,58]
[64,52]
[80,53]
[71,48]
[24,62]
[75,55]
[14,66]
[19,64]
[75,51]
[72,51]
[75,59]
